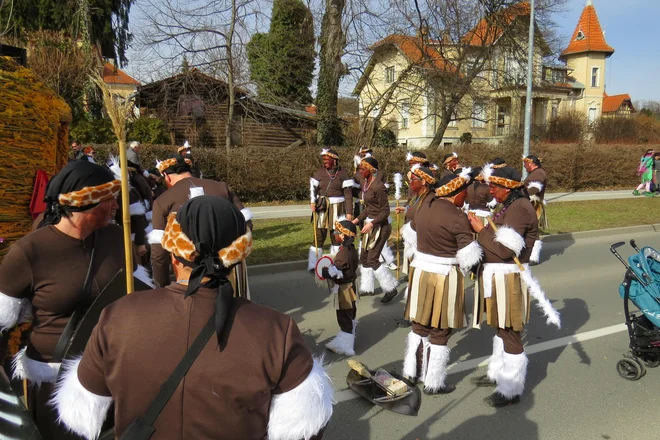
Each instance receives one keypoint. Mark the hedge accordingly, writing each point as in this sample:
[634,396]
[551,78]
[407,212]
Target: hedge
[269,174]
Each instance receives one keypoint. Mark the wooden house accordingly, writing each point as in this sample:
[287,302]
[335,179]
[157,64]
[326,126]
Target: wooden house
[194,106]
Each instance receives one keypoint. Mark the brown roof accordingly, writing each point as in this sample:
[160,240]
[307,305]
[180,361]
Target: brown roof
[613,103]
[592,38]
[113,75]
[416,51]
[489,30]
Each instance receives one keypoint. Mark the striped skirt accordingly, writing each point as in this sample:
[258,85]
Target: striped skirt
[508,302]
[435,299]
[346,296]
[327,218]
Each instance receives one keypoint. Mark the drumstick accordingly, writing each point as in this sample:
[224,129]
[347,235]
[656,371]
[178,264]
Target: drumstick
[515,259]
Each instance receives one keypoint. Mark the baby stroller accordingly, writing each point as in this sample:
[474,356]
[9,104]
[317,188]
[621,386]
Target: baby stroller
[641,285]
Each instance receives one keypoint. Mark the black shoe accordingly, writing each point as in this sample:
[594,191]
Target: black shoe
[367,293]
[389,296]
[445,390]
[412,380]
[483,381]
[312,271]
[404,323]
[496,400]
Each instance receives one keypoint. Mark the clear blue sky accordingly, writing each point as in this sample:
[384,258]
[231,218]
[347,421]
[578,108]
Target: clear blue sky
[632,28]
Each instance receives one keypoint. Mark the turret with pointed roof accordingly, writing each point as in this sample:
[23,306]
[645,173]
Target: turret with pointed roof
[588,35]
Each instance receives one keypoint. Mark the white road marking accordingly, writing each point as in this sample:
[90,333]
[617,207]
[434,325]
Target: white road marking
[348,394]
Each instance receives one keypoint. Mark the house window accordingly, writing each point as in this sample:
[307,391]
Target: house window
[389,75]
[592,115]
[580,35]
[478,115]
[452,122]
[405,114]
[558,76]
[374,112]
[594,76]
[554,113]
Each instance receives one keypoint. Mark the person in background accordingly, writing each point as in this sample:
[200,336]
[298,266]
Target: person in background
[76,152]
[90,154]
[132,153]
[645,171]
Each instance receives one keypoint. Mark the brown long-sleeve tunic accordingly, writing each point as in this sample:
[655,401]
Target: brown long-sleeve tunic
[537,178]
[170,201]
[521,217]
[478,196]
[376,205]
[442,228]
[338,184]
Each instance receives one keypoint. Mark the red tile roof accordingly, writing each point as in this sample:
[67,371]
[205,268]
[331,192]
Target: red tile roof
[593,39]
[613,103]
[416,51]
[489,30]
[113,75]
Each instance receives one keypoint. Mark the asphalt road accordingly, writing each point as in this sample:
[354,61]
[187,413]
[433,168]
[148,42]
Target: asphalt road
[282,211]
[572,391]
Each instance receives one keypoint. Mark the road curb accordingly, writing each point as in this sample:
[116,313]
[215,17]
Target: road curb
[290,266]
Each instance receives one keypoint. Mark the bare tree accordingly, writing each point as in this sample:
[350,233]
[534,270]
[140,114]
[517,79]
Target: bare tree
[211,34]
[458,52]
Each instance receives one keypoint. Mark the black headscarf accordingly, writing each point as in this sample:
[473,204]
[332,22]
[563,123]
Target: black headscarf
[75,176]
[212,223]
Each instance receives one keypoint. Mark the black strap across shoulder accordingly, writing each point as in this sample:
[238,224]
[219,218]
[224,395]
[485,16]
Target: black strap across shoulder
[142,427]
[77,314]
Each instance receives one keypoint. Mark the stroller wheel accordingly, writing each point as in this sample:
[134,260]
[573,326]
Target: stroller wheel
[629,369]
[651,361]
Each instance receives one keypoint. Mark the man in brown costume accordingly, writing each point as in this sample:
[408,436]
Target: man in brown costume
[504,285]
[254,377]
[536,182]
[436,291]
[375,232]
[479,200]
[331,197]
[343,274]
[450,164]
[183,186]
[43,275]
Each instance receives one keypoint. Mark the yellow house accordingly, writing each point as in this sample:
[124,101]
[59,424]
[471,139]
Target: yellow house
[395,87]
[120,83]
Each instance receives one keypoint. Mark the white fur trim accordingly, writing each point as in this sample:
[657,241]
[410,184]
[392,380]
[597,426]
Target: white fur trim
[487,172]
[149,228]
[535,184]
[148,214]
[436,372]
[479,212]
[334,250]
[80,410]
[137,208]
[409,237]
[114,166]
[492,204]
[387,254]
[142,275]
[187,145]
[343,343]
[349,183]
[155,236]
[34,371]
[313,257]
[10,310]
[133,236]
[409,156]
[398,184]
[536,251]
[247,214]
[469,256]
[465,174]
[335,273]
[432,264]
[313,183]
[385,278]
[410,357]
[495,361]
[510,239]
[195,191]
[303,411]
[336,200]
[366,280]
[356,161]
[535,198]
[511,377]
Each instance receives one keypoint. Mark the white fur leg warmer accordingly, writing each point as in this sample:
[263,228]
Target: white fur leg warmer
[410,357]
[511,378]
[343,343]
[436,371]
[366,280]
[303,411]
[387,255]
[313,257]
[80,410]
[385,278]
[496,359]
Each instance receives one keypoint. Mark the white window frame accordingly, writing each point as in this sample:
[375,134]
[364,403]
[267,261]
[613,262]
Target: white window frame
[479,118]
[374,112]
[390,71]
[453,122]
[597,69]
[405,115]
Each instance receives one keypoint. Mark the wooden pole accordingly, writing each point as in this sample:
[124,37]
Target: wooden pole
[25,393]
[126,217]
[398,238]
[316,240]
[515,259]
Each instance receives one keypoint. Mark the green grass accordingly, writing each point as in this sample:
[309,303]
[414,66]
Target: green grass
[288,239]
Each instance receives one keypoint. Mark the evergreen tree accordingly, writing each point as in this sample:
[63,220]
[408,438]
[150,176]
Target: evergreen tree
[108,21]
[282,60]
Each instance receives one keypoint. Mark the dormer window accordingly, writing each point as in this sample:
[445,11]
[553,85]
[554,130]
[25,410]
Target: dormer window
[580,35]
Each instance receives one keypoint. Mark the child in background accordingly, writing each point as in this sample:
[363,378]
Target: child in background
[645,170]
